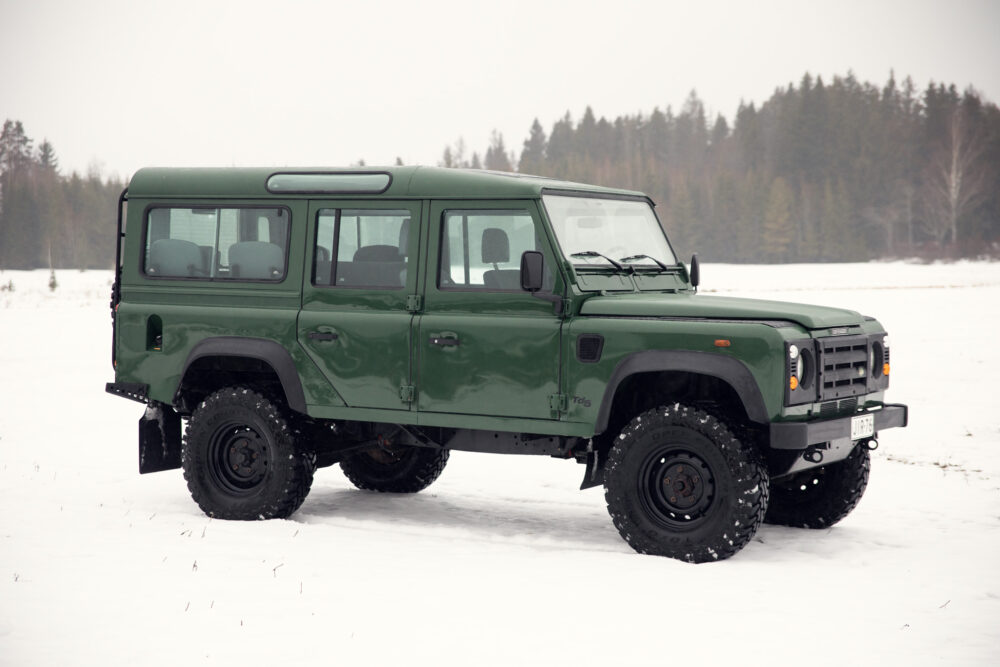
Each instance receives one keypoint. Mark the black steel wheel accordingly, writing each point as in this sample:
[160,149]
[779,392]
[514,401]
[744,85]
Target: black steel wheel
[395,468]
[241,460]
[820,497]
[238,458]
[678,483]
[677,487]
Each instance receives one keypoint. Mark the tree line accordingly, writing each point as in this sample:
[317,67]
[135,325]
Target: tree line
[48,219]
[839,171]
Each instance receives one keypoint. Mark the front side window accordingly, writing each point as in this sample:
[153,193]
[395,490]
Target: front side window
[217,243]
[482,249]
[622,229]
[361,248]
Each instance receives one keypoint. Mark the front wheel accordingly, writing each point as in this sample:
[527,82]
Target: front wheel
[678,483]
[240,458]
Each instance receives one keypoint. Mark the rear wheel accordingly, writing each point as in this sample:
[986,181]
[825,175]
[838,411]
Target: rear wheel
[680,484]
[820,497]
[240,458]
[395,468]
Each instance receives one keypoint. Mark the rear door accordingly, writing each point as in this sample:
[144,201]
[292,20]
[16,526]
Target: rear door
[483,345]
[355,321]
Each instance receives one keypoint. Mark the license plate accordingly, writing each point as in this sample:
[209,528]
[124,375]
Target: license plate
[862,426]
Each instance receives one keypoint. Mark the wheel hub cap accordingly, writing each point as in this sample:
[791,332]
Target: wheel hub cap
[678,488]
[239,459]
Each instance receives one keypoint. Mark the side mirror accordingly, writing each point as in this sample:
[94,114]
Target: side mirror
[695,272]
[532,265]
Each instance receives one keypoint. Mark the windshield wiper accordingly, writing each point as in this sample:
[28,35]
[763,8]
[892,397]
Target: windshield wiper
[593,253]
[656,261]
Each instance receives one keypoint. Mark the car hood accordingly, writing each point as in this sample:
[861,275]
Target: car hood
[700,306]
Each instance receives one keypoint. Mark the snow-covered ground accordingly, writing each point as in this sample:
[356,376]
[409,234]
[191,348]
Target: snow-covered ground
[502,561]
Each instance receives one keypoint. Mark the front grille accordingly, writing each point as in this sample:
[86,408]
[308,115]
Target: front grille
[843,367]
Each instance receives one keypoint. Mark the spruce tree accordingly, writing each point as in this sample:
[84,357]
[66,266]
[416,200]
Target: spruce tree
[533,152]
[496,155]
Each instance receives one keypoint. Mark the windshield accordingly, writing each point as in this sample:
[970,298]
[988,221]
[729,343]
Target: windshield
[620,229]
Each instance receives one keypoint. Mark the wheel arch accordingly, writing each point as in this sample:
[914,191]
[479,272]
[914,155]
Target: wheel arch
[726,373]
[235,355]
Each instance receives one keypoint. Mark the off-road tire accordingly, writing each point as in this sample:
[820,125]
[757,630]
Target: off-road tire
[820,497]
[678,483]
[241,460]
[395,469]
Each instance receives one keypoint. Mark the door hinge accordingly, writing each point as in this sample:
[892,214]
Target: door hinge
[414,302]
[406,393]
[558,403]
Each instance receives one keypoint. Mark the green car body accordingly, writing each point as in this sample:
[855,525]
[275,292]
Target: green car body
[449,339]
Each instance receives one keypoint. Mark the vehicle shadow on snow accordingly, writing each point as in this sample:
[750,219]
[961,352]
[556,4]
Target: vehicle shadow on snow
[492,519]
[539,523]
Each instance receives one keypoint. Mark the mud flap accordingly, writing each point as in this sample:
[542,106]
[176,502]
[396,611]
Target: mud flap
[159,439]
[595,470]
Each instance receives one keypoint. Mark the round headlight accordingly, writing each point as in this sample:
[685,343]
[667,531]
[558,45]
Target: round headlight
[885,342]
[804,369]
[793,352]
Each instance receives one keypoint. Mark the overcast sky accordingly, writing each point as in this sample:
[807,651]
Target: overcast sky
[126,84]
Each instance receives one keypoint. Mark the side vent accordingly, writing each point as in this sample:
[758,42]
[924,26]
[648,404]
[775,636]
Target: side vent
[589,348]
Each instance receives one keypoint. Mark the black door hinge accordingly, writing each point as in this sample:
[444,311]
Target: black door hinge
[558,403]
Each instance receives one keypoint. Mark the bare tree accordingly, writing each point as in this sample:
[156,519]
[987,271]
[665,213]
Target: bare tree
[454,156]
[955,181]
[893,213]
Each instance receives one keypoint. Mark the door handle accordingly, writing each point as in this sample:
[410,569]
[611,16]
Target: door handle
[449,341]
[322,335]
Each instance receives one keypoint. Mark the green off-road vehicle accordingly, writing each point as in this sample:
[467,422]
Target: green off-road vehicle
[380,318]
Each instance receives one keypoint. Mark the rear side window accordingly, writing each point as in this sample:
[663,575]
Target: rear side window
[482,249]
[217,243]
[362,248]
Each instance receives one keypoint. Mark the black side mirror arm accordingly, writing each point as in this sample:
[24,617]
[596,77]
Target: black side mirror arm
[695,272]
[552,297]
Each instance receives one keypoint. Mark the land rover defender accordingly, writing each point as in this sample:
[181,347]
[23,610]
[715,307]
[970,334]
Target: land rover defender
[380,318]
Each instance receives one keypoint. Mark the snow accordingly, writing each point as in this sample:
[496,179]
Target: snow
[503,560]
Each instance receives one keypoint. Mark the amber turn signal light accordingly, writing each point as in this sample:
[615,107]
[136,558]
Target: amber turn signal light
[885,369]
[722,342]
[793,383]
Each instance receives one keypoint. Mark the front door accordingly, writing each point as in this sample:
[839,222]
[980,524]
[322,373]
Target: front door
[355,321]
[483,345]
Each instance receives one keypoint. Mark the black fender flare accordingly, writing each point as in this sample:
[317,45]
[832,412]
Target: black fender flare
[732,371]
[270,352]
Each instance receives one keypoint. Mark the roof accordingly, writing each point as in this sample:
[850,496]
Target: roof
[407,182]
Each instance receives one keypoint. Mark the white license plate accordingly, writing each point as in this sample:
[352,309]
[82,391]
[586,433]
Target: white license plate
[862,426]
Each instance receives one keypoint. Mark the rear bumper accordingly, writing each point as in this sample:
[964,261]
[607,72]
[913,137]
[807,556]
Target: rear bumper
[801,435]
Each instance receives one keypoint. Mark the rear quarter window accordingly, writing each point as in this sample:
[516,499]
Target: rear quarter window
[225,243]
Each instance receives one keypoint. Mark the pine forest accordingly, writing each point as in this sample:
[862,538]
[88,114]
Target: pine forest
[820,172]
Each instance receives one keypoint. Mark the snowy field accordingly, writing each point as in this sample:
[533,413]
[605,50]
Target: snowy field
[502,561]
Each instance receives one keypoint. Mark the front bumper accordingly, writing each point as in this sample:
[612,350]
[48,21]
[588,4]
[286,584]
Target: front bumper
[802,435]
[130,390]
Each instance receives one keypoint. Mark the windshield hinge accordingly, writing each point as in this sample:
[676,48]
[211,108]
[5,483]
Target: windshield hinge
[406,393]
[414,302]
[558,403]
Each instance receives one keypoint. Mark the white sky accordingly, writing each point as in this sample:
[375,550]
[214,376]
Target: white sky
[126,84]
